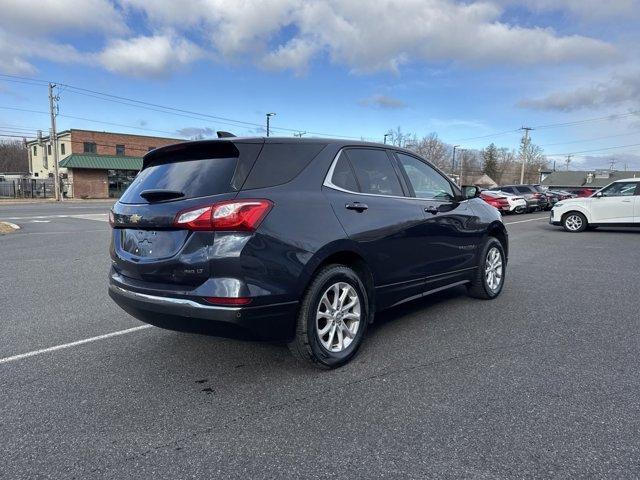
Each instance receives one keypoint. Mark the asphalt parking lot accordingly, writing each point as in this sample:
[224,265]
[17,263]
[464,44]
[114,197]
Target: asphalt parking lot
[542,382]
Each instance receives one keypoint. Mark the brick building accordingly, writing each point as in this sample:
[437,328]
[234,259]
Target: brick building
[93,164]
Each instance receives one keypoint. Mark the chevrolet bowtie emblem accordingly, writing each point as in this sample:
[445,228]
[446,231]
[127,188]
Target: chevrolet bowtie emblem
[135,218]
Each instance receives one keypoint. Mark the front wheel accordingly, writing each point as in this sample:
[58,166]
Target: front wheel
[574,222]
[333,318]
[488,279]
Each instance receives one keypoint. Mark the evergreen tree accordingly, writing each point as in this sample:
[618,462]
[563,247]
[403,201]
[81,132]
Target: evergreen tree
[490,161]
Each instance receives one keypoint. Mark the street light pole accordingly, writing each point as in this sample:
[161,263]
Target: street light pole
[453,160]
[385,137]
[269,115]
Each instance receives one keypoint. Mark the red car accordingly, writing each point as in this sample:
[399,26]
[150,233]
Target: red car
[500,202]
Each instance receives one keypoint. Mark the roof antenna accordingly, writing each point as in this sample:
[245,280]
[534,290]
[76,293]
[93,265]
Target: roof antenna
[223,134]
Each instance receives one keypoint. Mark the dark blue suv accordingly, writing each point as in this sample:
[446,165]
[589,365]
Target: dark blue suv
[297,240]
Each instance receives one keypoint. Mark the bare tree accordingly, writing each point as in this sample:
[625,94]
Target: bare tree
[434,150]
[14,157]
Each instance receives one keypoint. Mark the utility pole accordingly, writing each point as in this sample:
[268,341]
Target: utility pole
[269,115]
[568,161]
[524,153]
[53,138]
[453,160]
[385,137]
[299,134]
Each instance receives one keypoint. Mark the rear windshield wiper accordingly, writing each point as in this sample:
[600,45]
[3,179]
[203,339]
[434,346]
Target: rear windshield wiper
[159,195]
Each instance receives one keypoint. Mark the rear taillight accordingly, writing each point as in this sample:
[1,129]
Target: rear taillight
[243,215]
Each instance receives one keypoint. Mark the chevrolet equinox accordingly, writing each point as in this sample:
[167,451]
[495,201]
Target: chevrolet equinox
[295,240]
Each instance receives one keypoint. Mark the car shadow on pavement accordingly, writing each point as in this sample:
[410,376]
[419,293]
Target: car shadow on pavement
[173,351]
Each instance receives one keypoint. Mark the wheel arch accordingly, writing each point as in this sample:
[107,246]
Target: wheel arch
[499,231]
[581,210]
[342,253]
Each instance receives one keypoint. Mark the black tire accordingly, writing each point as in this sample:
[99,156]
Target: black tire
[574,222]
[520,210]
[479,287]
[306,345]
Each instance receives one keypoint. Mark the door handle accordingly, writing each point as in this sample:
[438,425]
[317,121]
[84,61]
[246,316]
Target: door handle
[626,201]
[431,209]
[357,206]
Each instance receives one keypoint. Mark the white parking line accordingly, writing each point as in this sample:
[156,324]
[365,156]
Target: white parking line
[530,220]
[104,217]
[72,344]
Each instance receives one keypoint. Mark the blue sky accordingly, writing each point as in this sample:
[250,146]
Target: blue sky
[352,68]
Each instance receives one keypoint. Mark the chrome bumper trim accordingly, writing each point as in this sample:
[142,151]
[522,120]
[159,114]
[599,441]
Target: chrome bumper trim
[167,301]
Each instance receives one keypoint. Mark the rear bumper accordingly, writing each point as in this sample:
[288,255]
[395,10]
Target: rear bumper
[265,322]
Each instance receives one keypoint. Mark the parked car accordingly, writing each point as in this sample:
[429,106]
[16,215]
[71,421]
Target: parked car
[535,199]
[505,202]
[582,192]
[301,240]
[562,195]
[617,204]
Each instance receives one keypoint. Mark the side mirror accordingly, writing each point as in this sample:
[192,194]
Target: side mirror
[470,191]
[598,195]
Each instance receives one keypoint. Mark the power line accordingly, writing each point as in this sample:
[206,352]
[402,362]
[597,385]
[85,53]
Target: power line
[497,134]
[587,120]
[102,122]
[167,109]
[591,139]
[593,150]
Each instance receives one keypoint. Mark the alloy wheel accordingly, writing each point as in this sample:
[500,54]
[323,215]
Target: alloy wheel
[573,223]
[493,269]
[338,317]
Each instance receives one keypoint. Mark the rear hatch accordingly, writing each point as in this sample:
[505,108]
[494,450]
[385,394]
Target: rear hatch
[146,245]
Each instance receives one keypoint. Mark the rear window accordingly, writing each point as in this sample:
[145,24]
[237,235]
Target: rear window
[194,178]
[280,163]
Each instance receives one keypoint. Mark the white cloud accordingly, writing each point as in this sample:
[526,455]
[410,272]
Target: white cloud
[153,56]
[585,9]
[294,55]
[362,35]
[67,16]
[618,90]
[367,37]
[383,101]
[16,52]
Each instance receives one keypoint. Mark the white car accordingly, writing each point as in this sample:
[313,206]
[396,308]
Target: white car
[616,205]
[516,204]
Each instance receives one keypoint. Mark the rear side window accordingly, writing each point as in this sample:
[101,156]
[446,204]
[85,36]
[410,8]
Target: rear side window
[280,163]
[523,189]
[374,172]
[343,175]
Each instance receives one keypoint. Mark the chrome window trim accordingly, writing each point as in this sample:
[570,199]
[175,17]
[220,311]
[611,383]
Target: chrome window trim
[329,184]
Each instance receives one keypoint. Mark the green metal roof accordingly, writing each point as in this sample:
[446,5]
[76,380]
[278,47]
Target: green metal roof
[101,162]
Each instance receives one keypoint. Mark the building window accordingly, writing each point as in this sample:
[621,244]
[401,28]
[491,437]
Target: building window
[49,149]
[119,149]
[90,147]
[62,148]
[35,151]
